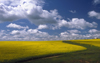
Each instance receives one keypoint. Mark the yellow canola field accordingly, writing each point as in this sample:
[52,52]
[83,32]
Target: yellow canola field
[95,42]
[17,50]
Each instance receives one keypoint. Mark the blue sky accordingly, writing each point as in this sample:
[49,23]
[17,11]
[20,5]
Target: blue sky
[33,20]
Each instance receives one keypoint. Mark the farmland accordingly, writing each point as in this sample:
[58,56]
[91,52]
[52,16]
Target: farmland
[90,55]
[14,51]
[95,42]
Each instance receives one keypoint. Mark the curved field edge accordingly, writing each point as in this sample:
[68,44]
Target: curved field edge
[12,51]
[90,55]
[94,42]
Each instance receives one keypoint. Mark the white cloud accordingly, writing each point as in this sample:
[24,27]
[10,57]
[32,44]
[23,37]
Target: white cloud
[94,14]
[65,34]
[36,35]
[81,24]
[30,35]
[33,30]
[12,25]
[2,32]
[76,23]
[94,31]
[73,31]
[96,1]
[42,27]
[69,33]
[70,36]
[11,10]
[15,32]
[72,11]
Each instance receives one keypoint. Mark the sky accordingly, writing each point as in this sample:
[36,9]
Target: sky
[38,20]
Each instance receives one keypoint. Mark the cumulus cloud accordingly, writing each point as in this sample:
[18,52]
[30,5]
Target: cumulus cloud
[94,14]
[76,23]
[70,36]
[15,32]
[36,35]
[2,32]
[94,31]
[74,31]
[11,10]
[42,27]
[65,34]
[29,35]
[12,25]
[72,11]
[70,33]
[33,30]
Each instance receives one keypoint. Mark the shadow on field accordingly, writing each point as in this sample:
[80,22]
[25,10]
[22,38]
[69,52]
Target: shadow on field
[90,55]
[91,48]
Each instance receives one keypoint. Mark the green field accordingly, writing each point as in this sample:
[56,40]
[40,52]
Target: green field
[14,51]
